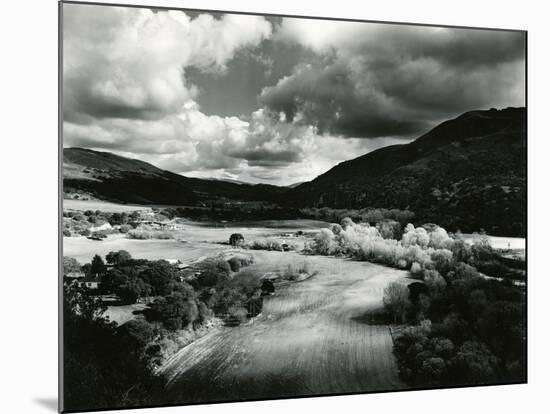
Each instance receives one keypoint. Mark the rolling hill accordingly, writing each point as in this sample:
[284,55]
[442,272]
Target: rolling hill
[111,177]
[468,173]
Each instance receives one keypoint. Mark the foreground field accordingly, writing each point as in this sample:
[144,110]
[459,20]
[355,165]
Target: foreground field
[196,240]
[313,337]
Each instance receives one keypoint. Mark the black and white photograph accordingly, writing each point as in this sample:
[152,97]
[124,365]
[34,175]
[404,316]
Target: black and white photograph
[261,206]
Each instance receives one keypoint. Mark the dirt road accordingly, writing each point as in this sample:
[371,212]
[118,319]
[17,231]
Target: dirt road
[313,337]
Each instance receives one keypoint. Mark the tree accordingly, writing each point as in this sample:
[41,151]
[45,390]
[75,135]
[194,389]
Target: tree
[137,334]
[474,364]
[113,280]
[396,301]
[118,257]
[213,271]
[464,272]
[160,275]
[98,267]
[346,222]
[439,239]
[434,281]
[176,311]
[78,305]
[70,265]
[236,239]
[431,371]
[324,242]
[131,291]
[118,218]
[267,287]
[389,229]
[443,260]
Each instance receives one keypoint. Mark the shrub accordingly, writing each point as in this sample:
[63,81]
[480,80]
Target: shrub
[266,244]
[389,229]
[70,265]
[434,280]
[415,236]
[439,238]
[416,269]
[237,262]
[324,243]
[141,234]
[125,228]
[462,271]
[294,272]
[402,264]
[442,260]
[482,250]
[236,239]
[239,313]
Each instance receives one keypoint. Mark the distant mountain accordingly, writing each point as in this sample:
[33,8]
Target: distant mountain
[468,173]
[115,178]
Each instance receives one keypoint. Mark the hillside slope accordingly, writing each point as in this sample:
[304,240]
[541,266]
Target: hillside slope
[111,177]
[468,173]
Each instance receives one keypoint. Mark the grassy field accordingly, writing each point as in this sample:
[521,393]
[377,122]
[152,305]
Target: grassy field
[312,337]
[195,241]
[83,205]
[123,313]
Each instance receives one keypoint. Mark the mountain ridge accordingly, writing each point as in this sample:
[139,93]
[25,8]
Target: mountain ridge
[115,178]
[451,175]
[467,173]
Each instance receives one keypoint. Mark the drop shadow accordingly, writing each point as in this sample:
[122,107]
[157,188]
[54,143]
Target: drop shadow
[49,403]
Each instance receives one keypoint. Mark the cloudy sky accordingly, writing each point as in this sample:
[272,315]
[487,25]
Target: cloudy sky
[268,99]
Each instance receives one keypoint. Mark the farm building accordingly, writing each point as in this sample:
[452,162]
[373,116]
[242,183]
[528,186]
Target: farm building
[89,283]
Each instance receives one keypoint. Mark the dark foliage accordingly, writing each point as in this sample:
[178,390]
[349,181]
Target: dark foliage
[471,332]
[104,366]
[236,239]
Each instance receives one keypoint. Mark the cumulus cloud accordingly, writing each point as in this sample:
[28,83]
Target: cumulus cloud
[192,143]
[387,80]
[130,63]
[125,87]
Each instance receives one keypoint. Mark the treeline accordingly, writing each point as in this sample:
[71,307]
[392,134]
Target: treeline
[460,327]
[364,215]
[106,365]
[80,223]
[235,212]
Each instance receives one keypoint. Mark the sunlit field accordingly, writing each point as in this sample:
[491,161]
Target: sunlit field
[312,337]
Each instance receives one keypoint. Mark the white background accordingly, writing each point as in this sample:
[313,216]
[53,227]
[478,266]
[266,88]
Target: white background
[28,226]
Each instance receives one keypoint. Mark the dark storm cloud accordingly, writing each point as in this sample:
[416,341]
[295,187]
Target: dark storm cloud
[235,92]
[326,97]
[269,99]
[396,80]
